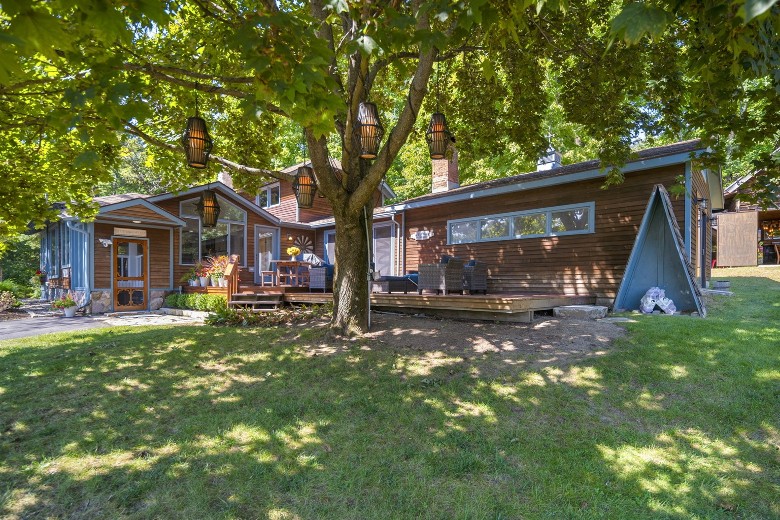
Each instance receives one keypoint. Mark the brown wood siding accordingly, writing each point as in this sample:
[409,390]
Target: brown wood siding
[159,259]
[286,209]
[137,212]
[574,264]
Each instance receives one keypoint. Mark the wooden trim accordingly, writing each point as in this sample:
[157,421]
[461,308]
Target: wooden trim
[116,278]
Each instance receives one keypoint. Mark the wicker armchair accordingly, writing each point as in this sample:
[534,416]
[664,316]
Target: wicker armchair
[441,277]
[475,277]
[321,278]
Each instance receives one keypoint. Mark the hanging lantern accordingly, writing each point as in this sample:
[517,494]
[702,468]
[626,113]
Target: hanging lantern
[370,129]
[438,136]
[197,142]
[305,187]
[208,208]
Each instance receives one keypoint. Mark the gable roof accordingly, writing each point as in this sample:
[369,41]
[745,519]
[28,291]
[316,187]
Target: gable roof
[114,211]
[231,194]
[676,153]
[120,197]
[658,259]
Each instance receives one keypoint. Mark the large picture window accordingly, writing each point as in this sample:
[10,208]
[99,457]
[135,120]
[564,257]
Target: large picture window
[228,237]
[573,219]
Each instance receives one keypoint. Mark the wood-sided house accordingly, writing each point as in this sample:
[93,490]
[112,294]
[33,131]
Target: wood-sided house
[139,246]
[553,231]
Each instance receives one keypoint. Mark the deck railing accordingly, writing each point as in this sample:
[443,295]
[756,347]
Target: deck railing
[231,273]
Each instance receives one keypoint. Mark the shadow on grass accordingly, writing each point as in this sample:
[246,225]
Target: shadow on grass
[681,420]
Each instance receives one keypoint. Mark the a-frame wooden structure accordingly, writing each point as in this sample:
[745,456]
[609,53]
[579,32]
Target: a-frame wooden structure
[658,259]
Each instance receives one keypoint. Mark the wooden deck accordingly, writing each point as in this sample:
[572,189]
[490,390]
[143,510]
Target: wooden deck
[516,307]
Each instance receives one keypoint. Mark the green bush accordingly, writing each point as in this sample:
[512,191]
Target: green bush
[17,289]
[196,301]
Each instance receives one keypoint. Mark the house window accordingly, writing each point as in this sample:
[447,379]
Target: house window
[269,196]
[228,237]
[65,234]
[54,250]
[555,221]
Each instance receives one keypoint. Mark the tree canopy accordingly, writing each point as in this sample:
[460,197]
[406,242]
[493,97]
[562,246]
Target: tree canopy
[78,76]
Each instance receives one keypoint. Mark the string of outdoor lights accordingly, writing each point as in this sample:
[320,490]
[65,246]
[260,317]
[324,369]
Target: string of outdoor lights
[198,144]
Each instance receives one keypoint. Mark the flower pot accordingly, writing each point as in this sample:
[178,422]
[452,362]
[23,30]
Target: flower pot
[215,282]
[69,311]
[223,282]
[204,281]
[194,283]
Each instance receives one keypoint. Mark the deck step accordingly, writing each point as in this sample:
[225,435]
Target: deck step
[254,297]
[254,306]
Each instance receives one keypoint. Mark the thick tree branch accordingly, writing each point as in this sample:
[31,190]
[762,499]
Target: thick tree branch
[156,73]
[159,143]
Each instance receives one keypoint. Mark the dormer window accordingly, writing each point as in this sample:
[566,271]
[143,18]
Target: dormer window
[269,196]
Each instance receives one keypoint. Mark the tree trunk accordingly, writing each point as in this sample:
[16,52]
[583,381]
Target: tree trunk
[350,291]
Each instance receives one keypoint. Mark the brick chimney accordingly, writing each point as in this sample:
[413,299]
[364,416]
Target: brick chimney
[445,173]
[225,178]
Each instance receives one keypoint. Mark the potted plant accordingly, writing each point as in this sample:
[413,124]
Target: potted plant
[293,251]
[190,276]
[202,272]
[67,304]
[217,267]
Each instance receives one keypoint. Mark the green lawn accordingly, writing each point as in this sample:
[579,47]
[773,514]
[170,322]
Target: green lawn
[681,419]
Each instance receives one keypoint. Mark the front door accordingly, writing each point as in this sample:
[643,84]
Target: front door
[266,249]
[130,274]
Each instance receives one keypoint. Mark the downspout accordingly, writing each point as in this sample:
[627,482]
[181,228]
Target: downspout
[703,245]
[370,271]
[84,262]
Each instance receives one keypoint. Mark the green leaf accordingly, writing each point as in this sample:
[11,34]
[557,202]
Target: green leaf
[753,8]
[367,44]
[338,6]
[637,20]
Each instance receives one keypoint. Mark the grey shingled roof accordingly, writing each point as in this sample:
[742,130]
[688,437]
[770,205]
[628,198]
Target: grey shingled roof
[650,153]
[116,199]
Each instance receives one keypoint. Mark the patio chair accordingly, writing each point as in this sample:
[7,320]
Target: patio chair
[445,276]
[475,277]
[321,278]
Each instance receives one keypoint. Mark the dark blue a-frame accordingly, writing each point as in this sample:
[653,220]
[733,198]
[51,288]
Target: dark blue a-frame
[658,259]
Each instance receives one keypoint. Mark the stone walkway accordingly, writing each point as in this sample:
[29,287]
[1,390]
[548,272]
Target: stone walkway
[45,320]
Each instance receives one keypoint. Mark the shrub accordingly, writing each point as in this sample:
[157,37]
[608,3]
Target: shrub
[7,300]
[196,301]
[17,289]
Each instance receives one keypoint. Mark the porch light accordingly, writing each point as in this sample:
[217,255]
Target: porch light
[208,208]
[370,129]
[305,186]
[438,136]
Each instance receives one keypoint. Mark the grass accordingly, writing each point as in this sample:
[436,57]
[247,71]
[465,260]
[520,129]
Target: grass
[681,419]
